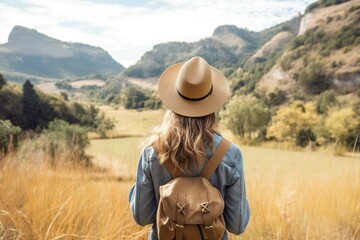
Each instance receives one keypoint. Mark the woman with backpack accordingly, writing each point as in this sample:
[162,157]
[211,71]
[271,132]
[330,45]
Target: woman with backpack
[190,180]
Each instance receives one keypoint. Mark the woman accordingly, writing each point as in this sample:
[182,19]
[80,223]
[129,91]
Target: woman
[192,91]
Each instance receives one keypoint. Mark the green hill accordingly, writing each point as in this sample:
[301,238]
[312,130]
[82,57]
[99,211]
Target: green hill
[228,48]
[29,54]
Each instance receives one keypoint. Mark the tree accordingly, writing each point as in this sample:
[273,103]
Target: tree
[245,114]
[2,81]
[133,98]
[340,123]
[288,121]
[37,109]
[31,106]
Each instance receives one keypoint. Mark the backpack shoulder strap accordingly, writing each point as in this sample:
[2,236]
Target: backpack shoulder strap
[215,159]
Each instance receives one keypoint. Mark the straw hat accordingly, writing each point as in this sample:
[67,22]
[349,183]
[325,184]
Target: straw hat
[193,88]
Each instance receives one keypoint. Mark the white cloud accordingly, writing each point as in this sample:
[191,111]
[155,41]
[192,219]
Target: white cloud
[127,32]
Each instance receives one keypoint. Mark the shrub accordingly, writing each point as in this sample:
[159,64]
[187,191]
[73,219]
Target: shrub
[103,125]
[275,98]
[67,138]
[63,85]
[9,135]
[326,100]
[305,137]
[313,79]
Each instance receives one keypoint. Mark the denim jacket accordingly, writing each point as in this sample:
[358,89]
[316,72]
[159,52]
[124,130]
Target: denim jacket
[228,178]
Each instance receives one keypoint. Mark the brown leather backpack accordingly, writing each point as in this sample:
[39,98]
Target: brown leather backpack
[190,207]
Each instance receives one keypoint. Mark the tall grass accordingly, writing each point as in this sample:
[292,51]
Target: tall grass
[293,195]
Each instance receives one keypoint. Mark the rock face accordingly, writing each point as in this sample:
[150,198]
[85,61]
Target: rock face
[31,53]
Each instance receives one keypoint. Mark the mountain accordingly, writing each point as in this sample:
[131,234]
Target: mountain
[327,46]
[227,48]
[30,54]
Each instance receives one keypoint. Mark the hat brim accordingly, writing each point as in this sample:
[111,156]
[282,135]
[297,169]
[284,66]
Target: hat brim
[173,101]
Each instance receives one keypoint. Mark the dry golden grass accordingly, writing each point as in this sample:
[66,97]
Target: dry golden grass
[43,204]
[293,195]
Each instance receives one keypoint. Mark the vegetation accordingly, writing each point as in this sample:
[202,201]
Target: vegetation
[63,137]
[289,121]
[323,3]
[136,98]
[347,36]
[305,137]
[275,97]
[246,78]
[340,123]
[31,109]
[313,79]
[9,136]
[245,115]
[37,113]
[326,100]
[63,85]
[2,81]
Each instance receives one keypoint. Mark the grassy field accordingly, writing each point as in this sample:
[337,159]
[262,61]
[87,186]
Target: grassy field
[49,87]
[132,122]
[293,195]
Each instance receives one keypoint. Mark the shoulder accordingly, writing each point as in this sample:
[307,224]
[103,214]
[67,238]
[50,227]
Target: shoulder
[149,154]
[233,155]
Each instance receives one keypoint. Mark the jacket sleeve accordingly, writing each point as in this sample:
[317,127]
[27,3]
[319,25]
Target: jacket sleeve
[237,211]
[142,195]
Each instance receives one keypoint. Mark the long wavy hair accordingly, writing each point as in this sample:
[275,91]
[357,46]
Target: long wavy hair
[183,140]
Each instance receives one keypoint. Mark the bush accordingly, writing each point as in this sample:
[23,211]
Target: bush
[103,125]
[326,100]
[63,85]
[313,79]
[9,135]
[275,98]
[305,137]
[64,138]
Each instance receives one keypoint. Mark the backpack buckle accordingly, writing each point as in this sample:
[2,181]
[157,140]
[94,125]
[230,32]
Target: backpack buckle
[209,227]
[180,226]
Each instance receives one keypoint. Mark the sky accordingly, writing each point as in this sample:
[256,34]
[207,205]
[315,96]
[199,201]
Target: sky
[128,28]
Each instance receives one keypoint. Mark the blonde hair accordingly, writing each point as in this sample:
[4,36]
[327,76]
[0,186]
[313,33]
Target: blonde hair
[183,140]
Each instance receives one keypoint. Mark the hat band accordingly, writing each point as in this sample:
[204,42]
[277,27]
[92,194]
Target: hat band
[195,99]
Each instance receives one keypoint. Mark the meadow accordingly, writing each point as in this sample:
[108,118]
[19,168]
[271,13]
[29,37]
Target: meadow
[292,194]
